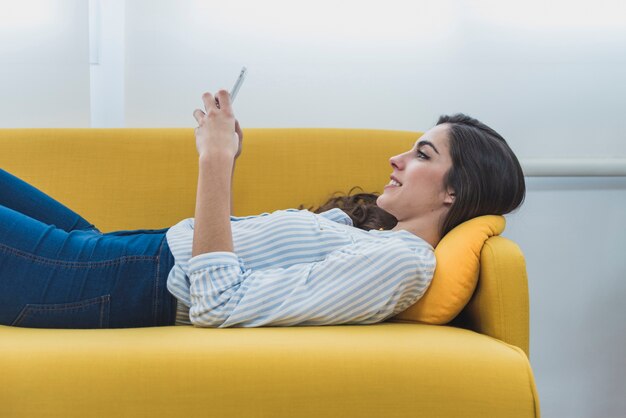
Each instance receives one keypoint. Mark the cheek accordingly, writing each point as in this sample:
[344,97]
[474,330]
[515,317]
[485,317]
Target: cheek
[428,180]
[424,174]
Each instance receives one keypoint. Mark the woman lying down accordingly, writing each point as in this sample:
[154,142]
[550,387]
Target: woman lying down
[356,260]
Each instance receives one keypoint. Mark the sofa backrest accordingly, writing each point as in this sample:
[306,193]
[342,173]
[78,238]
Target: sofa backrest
[146,178]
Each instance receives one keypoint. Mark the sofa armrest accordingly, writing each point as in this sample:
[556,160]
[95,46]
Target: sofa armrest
[499,306]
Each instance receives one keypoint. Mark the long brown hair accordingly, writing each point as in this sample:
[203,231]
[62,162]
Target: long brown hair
[486,177]
[361,208]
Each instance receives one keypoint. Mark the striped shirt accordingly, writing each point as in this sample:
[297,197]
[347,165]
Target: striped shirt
[295,267]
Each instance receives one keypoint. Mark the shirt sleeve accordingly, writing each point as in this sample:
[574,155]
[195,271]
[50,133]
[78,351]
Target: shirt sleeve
[353,285]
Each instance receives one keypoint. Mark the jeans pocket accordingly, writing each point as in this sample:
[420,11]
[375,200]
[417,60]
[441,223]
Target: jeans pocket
[88,313]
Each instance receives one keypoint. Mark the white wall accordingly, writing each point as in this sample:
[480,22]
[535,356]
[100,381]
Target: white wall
[549,76]
[106,59]
[44,72]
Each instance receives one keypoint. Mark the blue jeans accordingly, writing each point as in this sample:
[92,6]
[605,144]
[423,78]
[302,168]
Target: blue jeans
[57,270]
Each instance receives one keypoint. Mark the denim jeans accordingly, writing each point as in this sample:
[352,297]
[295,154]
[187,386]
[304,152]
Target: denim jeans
[57,270]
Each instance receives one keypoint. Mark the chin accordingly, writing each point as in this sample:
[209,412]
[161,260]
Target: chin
[381,203]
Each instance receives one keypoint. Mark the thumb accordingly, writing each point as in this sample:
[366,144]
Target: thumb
[238,129]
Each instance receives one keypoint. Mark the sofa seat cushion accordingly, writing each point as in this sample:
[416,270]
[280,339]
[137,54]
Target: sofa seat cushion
[382,370]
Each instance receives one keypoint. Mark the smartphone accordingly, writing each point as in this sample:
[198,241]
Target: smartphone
[235,90]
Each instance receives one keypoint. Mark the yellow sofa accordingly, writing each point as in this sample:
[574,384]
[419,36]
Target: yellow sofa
[476,366]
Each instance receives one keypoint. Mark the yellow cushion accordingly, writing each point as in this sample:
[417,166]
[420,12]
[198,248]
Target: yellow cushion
[456,274]
[374,371]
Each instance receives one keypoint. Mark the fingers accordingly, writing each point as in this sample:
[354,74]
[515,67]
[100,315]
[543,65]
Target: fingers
[223,97]
[198,114]
[209,102]
[221,101]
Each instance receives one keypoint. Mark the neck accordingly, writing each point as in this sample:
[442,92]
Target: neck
[426,229]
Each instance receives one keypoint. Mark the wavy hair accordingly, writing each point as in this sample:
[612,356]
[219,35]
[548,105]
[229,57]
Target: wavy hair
[361,208]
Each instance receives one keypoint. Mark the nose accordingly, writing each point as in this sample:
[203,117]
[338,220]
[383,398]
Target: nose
[395,160]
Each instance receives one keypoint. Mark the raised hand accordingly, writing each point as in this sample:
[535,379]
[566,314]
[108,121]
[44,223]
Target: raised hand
[216,131]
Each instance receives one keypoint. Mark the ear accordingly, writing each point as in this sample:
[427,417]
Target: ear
[449,198]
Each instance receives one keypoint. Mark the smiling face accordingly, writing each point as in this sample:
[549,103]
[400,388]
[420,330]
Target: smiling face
[422,201]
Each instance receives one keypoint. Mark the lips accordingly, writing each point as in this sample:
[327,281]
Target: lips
[392,183]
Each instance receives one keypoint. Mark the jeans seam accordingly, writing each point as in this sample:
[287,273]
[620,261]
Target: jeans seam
[156,283]
[75,264]
[66,306]
[30,307]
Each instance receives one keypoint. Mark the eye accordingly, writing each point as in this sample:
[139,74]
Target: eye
[421,155]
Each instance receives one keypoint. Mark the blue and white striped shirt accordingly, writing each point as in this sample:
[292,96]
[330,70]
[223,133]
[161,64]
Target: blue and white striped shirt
[295,267]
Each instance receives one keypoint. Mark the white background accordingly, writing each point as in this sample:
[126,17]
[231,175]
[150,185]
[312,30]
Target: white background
[44,74]
[549,76]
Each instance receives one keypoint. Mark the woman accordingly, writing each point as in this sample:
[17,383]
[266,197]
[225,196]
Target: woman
[355,260]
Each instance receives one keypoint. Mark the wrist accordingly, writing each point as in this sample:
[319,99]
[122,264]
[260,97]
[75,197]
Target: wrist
[222,156]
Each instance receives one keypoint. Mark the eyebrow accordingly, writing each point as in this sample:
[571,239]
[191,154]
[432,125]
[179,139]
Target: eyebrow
[420,144]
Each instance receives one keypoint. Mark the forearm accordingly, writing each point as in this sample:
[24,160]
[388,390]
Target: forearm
[212,230]
[232,176]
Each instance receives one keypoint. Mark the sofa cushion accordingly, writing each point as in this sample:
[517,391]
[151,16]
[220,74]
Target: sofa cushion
[381,370]
[456,274]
